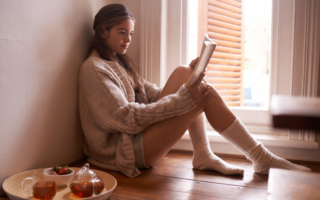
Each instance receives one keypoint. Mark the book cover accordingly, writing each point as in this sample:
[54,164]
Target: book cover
[207,49]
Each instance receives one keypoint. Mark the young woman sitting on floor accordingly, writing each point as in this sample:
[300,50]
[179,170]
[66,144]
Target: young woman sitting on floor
[129,123]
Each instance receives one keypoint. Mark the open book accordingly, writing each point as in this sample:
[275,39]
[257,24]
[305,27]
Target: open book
[206,52]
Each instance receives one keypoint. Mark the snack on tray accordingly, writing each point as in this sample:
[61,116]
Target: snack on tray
[62,169]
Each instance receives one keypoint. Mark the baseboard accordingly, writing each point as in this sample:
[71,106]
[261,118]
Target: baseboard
[242,156]
[222,148]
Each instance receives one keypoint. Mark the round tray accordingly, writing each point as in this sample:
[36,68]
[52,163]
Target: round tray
[12,187]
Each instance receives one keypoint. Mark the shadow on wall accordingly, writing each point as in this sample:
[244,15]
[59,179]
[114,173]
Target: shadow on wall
[50,132]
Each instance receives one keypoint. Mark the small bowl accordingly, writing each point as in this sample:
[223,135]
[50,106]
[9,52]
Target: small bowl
[62,180]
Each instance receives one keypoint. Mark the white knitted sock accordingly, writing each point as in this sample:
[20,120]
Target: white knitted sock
[262,159]
[203,157]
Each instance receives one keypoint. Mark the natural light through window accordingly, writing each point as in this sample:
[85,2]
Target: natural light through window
[240,66]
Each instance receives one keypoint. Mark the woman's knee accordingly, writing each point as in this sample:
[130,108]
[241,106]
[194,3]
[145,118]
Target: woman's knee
[213,93]
[182,73]
[177,78]
[213,97]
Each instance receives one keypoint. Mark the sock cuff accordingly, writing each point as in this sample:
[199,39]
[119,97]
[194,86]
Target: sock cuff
[231,127]
[260,155]
[203,146]
[240,137]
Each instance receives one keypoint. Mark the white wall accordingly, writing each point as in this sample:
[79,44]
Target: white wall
[42,45]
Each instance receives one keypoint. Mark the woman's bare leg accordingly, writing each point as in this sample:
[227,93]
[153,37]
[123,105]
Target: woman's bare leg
[159,138]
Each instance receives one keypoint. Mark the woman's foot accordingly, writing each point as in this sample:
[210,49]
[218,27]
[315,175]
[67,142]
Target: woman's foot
[264,160]
[261,157]
[209,161]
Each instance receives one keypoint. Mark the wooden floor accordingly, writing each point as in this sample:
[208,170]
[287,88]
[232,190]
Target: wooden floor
[174,178]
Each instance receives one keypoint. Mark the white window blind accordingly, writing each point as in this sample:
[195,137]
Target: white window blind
[222,20]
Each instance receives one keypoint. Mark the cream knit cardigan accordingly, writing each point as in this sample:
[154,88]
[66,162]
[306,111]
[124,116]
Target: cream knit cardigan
[111,114]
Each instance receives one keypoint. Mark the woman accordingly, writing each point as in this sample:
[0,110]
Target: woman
[129,123]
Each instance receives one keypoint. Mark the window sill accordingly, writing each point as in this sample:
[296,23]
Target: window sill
[267,140]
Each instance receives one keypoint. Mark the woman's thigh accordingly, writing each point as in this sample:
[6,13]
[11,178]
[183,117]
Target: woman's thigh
[178,77]
[159,138]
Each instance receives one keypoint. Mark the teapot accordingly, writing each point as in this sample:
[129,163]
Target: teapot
[87,183]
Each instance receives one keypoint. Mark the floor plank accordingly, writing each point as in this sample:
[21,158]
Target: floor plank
[129,191]
[153,183]
[259,181]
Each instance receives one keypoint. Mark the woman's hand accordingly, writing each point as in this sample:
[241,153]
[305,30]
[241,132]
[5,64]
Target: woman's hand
[199,90]
[194,62]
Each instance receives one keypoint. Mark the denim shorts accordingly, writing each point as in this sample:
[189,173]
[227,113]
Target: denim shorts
[139,151]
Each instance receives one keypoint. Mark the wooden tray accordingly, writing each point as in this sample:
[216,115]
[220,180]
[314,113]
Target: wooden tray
[12,187]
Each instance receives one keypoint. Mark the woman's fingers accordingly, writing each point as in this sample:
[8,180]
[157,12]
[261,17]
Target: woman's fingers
[194,62]
[205,81]
[199,90]
[200,79]
[201,94]
[204,94]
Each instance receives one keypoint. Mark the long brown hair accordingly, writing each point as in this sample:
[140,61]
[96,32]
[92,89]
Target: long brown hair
[107,17]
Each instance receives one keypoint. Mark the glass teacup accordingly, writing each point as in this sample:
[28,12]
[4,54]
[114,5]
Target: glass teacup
[43,185]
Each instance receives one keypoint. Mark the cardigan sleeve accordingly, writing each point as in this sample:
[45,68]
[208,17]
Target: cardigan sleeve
[132,118]
[152,91]
[112,112]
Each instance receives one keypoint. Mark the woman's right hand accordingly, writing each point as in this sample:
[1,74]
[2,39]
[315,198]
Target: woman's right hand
[199,90]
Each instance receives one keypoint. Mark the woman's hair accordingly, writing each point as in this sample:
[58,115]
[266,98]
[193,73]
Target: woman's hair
[106,18]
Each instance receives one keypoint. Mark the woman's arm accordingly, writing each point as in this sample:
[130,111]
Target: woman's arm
[133,117]
[152,91]
[112,112]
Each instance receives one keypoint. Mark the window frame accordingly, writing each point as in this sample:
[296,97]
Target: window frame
[165,52]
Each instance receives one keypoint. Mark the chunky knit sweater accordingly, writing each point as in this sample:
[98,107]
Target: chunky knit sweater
[111,114]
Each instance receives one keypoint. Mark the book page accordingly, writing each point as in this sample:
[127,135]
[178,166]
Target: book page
[205,38]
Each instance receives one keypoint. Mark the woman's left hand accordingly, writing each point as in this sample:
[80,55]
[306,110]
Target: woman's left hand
[194,62]
[199,90]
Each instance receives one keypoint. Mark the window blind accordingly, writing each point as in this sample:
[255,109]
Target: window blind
[222,20]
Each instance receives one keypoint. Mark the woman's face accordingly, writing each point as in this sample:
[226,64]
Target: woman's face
[119,37]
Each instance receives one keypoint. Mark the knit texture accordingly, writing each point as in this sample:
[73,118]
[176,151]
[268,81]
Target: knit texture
[111,113]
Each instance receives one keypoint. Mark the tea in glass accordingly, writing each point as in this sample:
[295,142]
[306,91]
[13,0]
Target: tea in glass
[44,185]
[43,190]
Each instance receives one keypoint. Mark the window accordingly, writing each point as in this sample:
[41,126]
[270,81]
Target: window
[294,52]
